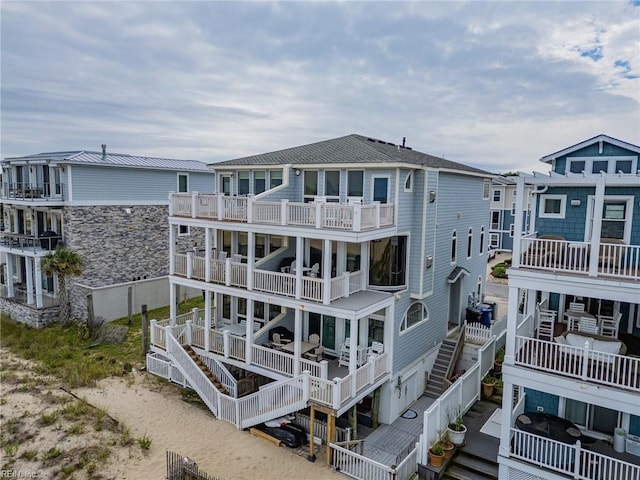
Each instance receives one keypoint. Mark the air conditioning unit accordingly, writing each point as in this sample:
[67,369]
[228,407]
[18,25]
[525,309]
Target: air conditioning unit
[633,444]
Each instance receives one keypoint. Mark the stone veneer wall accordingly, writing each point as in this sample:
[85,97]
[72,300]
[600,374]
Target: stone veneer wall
[28,315]
[118,247]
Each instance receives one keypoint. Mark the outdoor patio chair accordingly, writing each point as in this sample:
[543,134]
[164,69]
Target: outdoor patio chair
[314,339]
[278,341]
[316,355]
[375,349]
[609,325]
[546,324]
[576,307]
[314,270]
[588,325]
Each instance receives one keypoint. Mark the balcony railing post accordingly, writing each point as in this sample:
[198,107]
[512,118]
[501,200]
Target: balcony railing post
[324,369]
[227,272]
[284,209]
[576,460]
[152,336]
[337,392]
[250,205]
[220,205]
[226,341]
[347,287]
[172,196]
[187,332]
[357,217]
[194,205]
[377,214]
[319,212]
[189,264]
[585,361]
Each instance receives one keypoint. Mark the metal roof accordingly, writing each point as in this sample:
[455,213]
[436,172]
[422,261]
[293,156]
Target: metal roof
[84,157]
[349,150]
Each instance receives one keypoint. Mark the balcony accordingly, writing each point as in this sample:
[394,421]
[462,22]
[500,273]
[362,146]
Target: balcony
[558,255]
[330,384]
[235,274]
[334,216]
[33,191]
[582,363]
[21,243]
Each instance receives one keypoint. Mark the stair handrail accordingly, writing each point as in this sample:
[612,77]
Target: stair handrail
[224,376]
[197,378]
[457,351]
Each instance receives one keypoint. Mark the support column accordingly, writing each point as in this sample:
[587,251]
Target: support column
[331,433]
[300,263]
[326,272]
[512,324]
[505,423]
[10,287]
[29,272]
[598,206]
[172,303]
[297,338]
[172,249]
[249,332]
[207,254]
[37,276]
[251,259]
[312,431]
[207,317]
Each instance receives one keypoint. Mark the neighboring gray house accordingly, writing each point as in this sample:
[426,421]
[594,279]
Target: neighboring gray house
[503,209]
[361,253]
[110,208]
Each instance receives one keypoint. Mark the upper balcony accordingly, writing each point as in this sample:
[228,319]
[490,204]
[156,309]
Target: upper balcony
[352,217]
[33,192]
[30,245]
[604,258]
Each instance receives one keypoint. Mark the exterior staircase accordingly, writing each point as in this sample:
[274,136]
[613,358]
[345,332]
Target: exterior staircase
[446,354]
[201,365]
[467,466]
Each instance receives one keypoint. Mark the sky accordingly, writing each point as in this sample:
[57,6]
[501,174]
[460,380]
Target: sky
[495,85]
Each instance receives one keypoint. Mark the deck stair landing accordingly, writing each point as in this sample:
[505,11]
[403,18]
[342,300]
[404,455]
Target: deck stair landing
[201,365]
[467,466]
[435,385]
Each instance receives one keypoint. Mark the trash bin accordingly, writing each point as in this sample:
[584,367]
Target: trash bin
[485,315]
[473,315]
[494,308]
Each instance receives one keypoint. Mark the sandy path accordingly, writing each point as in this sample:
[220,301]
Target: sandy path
[158,411]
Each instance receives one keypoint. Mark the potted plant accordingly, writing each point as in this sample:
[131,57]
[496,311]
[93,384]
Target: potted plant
[497,362]
[436,454]
[488,384]
[457,430]
[499,387]
[447,444]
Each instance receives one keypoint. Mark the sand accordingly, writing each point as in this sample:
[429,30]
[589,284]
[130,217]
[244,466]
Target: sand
[146,407]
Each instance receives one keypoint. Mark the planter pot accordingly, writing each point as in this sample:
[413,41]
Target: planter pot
[457,437]
[497,367]
[435,460]
[448,449]
[487,389]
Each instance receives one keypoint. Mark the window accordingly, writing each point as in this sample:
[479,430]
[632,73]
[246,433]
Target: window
[454,246]
[408,183]
[496,195]
[576,166]
[355,183]
[513,209]
[332,183]
[481,239]
[243,183]
[599,166]
[380,189]
[276,178]
[552,206]
[479,288]
[624,166]
[511,230]
[494,240]
[388,260]
[614,219]
[183,183]
[486,189]
[417,313]
[310,184]
[259,181]
[495,220]
[469,242]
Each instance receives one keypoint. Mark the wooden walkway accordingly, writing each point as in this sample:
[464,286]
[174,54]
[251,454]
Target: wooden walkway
[389,444]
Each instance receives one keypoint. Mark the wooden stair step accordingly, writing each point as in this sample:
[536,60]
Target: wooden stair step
[487,468]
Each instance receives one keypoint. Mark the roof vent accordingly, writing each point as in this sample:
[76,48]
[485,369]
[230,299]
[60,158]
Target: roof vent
[104,150]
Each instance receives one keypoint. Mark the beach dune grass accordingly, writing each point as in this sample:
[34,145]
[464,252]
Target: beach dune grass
[68,353]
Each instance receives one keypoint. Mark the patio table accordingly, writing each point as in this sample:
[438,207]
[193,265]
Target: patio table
[304,347]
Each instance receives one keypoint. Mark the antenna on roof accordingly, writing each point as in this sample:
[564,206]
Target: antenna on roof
[104,150]
[404,139]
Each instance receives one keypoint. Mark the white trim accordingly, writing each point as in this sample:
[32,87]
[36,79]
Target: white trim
[563,206]
[178,174]
[483,240]
[586,143]
[409,178]
[628,222]
[425,318]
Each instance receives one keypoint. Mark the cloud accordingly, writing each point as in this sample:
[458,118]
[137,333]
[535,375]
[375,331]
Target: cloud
[493,84]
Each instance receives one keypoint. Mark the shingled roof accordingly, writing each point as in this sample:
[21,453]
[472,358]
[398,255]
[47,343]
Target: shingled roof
[84,157]
[349,150]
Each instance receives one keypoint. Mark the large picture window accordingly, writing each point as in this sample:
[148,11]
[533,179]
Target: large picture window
[388,262]
[355,183]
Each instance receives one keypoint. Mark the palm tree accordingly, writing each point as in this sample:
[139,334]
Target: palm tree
[63,263]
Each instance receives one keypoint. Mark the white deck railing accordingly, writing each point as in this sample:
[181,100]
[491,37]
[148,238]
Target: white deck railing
[480,334]
[583,363]
[235,274]
[568,459]
[336,216]
[615,260]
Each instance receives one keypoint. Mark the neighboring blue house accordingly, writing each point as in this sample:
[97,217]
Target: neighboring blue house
[110,208]
[362,254]
[503,210]
[573,334]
